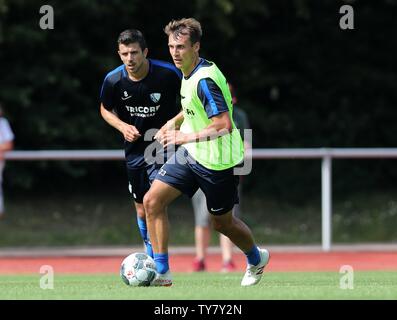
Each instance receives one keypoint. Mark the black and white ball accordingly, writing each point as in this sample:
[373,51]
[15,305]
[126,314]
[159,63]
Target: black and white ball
[138,270]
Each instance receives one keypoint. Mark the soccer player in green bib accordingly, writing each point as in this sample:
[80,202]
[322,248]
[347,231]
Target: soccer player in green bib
[210,149]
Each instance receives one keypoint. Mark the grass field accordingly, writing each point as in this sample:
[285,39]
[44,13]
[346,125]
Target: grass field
[372,285]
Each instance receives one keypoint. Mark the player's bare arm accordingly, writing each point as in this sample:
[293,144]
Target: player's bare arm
[220,125]
[129,132]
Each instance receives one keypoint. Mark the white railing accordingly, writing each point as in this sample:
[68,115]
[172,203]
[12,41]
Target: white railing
[326,154]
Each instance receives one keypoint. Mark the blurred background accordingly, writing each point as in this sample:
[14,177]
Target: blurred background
[303,81]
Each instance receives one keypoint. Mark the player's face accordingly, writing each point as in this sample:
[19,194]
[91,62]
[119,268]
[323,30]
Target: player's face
[183,52]
[132,56]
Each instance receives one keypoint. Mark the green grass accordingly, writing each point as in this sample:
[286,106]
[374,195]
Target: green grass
[205,286]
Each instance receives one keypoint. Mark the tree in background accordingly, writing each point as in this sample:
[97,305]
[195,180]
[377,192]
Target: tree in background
[306,82]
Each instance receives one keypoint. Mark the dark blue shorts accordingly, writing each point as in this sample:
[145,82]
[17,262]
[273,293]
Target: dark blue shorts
[184,173]
[139,180]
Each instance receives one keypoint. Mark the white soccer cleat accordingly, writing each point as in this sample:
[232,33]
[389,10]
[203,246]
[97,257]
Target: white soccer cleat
[162,280]
[253,274]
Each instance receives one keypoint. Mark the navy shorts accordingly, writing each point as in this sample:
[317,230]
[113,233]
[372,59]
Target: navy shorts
[139,180]
[184,173]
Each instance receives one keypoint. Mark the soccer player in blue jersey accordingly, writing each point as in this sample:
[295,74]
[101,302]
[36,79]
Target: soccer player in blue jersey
[211,148]
[140,95]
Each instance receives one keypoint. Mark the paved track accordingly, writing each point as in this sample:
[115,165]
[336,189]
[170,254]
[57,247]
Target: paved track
[283,258]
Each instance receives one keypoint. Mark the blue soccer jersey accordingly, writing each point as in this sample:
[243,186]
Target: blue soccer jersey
[146,104]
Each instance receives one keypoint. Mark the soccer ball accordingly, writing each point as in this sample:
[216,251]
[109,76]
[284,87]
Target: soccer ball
[138,270]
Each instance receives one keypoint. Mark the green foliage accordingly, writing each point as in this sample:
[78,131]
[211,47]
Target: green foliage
[303,80]
[52,218]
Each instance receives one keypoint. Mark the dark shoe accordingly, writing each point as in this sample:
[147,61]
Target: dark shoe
[198,265]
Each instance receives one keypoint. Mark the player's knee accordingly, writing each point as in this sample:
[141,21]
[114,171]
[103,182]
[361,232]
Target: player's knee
[147,201]
[140,211]
[150,204]
[220,226]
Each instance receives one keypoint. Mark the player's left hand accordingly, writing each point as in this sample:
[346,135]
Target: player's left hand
[173,137]
[169,126]
[159,135]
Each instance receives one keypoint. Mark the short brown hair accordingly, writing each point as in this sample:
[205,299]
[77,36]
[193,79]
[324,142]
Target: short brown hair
[132,36]
[185,26]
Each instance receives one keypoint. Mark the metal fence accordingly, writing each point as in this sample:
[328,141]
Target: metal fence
[325,154]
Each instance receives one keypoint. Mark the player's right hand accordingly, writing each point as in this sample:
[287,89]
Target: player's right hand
[130,133]
[160,133]
[169,125]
